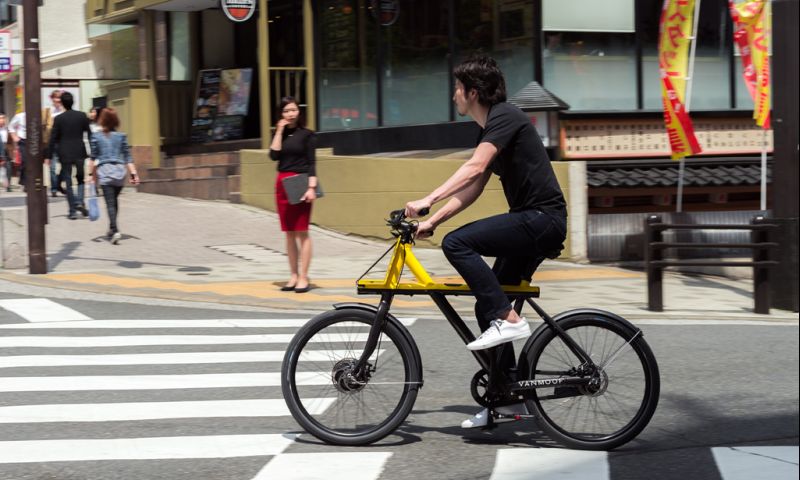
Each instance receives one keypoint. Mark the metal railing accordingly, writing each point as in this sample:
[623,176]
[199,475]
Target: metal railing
[655,262]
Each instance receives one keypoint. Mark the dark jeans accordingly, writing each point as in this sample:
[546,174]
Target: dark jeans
[520,241]
[74,199]
[53,173]
[21,148]
[110,193]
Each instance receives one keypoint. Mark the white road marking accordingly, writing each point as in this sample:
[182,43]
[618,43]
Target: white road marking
[41,310]
[184,358]
[754,323]
[550,464]
[155,382]
[213,323]
[325,466]
[117,412]
[74,450]
[141,340]
[747,463]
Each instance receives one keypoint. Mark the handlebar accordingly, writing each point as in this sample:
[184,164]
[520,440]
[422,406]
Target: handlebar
[397,220]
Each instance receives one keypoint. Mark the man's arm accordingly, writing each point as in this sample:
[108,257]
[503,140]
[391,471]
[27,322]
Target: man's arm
[466,176]
[456,204]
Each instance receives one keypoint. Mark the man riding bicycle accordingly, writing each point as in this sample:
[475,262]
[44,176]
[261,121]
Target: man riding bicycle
[533,229]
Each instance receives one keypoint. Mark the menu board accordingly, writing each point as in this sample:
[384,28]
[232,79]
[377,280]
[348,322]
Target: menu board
[221,103]
[234,91]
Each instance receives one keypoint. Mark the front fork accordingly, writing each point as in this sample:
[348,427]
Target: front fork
[361,370]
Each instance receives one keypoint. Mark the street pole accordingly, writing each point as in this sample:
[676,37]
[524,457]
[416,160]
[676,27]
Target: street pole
[37,193]
[785,156]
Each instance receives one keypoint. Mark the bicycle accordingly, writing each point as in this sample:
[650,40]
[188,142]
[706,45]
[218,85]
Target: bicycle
[351,375]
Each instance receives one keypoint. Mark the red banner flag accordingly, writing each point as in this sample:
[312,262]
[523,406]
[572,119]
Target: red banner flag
[675,31]
[752,34]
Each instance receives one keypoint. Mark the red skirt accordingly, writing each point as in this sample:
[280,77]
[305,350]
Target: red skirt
[294,218]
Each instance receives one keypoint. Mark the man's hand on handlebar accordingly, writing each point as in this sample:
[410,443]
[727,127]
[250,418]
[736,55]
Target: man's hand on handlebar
[418,208]
[424,229]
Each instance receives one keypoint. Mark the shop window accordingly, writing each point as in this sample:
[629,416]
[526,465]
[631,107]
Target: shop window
[711,76]
[115,49]
[588,56]
[502,29]
[415,74]
[180,68]
[347,80]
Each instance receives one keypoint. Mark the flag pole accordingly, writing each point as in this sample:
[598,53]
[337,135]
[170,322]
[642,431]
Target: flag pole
[764,172]
[688,99]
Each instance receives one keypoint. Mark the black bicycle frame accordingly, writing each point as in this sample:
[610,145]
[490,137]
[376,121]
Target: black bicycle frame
[482,356]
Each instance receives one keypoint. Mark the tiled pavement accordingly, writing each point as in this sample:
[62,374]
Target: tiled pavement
[195,250]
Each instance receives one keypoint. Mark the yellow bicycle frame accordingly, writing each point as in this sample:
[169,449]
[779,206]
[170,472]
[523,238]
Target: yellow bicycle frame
[402,257]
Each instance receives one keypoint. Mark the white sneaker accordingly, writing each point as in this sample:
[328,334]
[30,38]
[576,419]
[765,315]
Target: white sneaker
[480,419]
[116,238]
[501,331]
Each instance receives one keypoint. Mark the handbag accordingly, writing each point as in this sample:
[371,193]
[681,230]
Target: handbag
[112,174]
[94,208]
[296,186]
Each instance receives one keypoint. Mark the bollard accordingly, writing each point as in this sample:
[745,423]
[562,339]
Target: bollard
[655,273]
[761,290]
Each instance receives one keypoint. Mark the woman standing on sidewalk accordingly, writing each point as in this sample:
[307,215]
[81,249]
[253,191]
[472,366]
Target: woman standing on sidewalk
[110,160]
[293,147]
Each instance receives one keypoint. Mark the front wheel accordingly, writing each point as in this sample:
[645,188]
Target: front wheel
[332,401]
[620,399]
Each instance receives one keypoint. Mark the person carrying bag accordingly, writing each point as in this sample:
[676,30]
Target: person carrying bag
[111,163]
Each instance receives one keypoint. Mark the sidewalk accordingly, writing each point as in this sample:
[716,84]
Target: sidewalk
[196,250]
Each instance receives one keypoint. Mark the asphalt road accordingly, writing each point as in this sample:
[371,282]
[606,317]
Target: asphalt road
[88,398]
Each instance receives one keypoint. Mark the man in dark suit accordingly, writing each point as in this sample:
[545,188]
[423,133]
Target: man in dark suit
[67,141]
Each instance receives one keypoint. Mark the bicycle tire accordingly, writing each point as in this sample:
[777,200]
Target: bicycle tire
[344,421]
[557,408]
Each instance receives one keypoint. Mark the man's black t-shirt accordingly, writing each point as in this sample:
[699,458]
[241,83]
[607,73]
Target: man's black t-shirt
[522,162]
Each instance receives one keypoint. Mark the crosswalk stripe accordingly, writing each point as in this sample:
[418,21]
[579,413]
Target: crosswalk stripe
[72,450]
[41,310]
[116,412]
[746,463]
[142,340]
[184,358]
[325,466]
[550,464]
[155,382]
[212,323]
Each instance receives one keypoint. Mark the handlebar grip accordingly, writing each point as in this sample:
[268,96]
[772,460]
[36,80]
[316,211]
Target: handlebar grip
[424,212]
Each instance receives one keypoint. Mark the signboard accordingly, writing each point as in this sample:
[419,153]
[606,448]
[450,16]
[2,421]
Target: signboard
[5,51]
[238,10]
[386,11]
[221,103]
[48,86]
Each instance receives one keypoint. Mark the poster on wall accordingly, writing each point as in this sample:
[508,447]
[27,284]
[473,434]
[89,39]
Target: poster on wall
[48,87]
[234,91]
[205,105]
[221,103]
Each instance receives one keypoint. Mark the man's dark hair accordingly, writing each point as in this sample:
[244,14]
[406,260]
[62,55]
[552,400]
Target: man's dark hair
[481,73]
[66,100]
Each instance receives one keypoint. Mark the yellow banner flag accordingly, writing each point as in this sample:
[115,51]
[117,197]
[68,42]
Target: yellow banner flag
[752,23]
[675,31]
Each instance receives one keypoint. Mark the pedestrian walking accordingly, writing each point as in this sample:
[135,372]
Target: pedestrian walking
[6,167]
[66,141]
[18,132]
[293,146]
[49,115]
[111,161]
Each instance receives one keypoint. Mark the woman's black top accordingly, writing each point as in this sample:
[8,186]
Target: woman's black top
[297,153]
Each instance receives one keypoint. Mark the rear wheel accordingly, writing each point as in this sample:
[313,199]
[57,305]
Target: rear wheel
[619,400]
[329,399]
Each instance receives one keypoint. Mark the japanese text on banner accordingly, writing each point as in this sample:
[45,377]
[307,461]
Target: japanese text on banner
[752,32]
[675,31]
